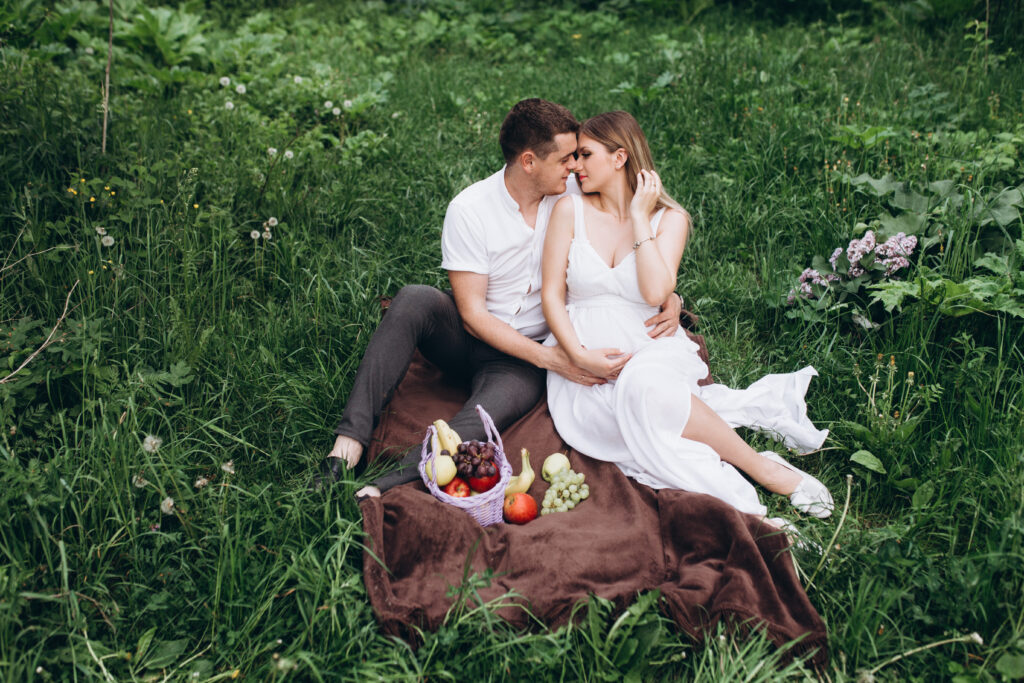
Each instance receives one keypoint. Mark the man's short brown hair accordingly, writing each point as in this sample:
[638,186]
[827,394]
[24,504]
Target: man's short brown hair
[533,124]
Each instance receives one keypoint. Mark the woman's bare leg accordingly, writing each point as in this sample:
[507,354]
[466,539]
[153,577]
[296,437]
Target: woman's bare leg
[707,427]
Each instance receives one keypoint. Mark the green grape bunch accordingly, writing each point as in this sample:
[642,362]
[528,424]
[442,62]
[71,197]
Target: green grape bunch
[567,490]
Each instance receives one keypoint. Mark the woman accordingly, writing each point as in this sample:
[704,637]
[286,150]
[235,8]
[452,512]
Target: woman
[610,257]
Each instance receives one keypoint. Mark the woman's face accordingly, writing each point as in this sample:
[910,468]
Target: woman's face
[596,165]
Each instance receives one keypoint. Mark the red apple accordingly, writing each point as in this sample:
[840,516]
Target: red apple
[520,508]
[457,488]
[481,484]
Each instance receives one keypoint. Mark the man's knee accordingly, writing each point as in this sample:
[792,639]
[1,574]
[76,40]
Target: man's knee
[521,392]
[418,298]
[420,308]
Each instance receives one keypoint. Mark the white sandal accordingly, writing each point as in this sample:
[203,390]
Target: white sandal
[810,497]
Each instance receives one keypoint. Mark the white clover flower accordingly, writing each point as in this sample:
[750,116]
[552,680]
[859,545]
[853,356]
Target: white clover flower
[347,104]
[255,234]
[107,241]
[336,111]
[271,151]
[297,79]
[151,444]
[225,81]
[139,481]
[88,51]
[229,467]
[240,88]
[100,230]
[167,506]
[267,235]
[288,154]
[328,104]
[201,482]
[272,221]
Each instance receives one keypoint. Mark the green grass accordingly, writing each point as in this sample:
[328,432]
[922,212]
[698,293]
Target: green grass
[231,349]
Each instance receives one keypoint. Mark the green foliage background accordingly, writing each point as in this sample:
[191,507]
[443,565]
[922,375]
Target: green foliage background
[785,133]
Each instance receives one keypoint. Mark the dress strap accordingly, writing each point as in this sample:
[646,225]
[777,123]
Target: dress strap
[579,226]
[656,221]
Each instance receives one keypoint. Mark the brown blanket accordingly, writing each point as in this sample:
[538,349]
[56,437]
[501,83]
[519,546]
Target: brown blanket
[710,562]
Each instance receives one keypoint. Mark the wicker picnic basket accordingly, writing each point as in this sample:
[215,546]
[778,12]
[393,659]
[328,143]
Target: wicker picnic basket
[485,508]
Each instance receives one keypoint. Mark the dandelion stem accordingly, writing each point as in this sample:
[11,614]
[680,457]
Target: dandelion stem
[972,637]
[49,339]
[106,86]
[835,535]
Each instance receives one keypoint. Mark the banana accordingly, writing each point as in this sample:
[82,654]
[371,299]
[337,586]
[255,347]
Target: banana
[447,437]
[435,448]
[522,481]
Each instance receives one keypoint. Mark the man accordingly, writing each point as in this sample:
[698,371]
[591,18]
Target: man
[488,329]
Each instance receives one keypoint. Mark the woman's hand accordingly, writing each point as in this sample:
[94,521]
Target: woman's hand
[606,363]
[648,189]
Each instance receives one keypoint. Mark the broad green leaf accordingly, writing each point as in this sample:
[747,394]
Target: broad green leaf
[881,186]
[167,653]
[942,187]
[904,431]
[910,201]
[997,264]
[909,223]
[143,644]
[891,293]
[923,495]
[1011,665]
[866,459]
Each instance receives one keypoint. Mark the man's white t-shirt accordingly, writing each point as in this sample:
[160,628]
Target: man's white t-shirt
[485,233]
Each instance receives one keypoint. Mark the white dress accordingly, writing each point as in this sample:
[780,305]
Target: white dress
[637,420]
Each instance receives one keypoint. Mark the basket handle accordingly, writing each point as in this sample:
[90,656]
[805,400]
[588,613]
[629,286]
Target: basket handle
[429,459]
[492,431]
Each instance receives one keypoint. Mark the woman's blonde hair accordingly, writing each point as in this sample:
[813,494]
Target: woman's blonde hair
[618,129]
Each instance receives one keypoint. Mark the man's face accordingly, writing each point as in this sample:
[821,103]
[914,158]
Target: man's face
[551,172]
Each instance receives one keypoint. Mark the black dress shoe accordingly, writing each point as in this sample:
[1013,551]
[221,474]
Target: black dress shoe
[330,472]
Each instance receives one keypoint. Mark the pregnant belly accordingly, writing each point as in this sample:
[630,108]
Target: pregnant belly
[620,327]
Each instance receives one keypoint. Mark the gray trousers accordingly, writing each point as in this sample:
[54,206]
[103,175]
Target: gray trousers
[425,318]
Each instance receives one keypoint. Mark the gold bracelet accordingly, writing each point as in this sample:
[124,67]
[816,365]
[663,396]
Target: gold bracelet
[636,245]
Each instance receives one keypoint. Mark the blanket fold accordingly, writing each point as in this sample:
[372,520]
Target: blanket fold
[711,563]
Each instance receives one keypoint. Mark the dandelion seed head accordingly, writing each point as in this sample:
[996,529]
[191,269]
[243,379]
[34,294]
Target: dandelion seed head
[328,104]
[336,111]
[167,506]
[271,151]
[201,482]
[272,221]
[107,241]
[229,467]
[88,51]
[347,104]
[396,114]
[288,154]
[225,81]
[139,481]
[297,79]
[151,444]
[267,235]
[240,88]
[255,234]
[229,105]
[100,230]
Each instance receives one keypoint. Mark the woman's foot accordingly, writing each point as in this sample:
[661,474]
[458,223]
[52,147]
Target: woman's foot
[809,495]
